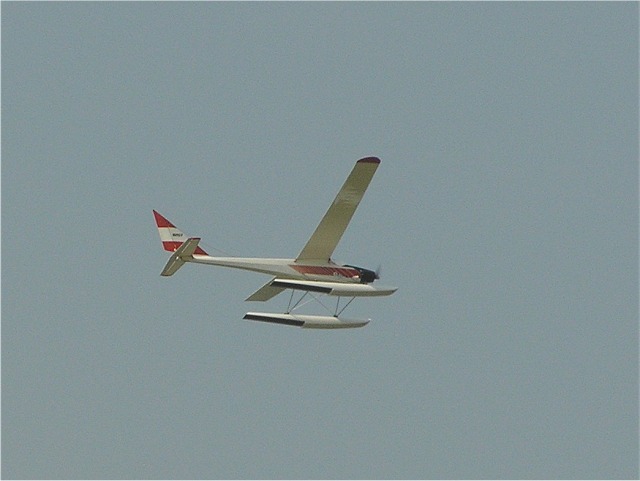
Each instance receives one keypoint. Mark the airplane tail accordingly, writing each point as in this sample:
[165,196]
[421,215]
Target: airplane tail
[172,237]
[174,240]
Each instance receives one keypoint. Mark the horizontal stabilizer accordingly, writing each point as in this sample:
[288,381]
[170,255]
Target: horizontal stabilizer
[306,321]
[265,293]
[180,256]
[335,288]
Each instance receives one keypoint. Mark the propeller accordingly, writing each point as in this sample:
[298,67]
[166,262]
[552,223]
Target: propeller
[379,271]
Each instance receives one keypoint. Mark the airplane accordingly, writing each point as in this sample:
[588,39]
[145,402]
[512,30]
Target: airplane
[312,272]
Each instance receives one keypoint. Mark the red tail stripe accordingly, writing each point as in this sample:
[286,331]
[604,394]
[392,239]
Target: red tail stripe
[172,246]
[161,221]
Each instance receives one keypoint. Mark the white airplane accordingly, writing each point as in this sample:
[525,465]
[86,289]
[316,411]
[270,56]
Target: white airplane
[312,272]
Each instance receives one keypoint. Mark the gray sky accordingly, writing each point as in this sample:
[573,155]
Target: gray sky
[505,208]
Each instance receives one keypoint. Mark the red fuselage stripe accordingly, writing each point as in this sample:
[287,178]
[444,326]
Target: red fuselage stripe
[326,271]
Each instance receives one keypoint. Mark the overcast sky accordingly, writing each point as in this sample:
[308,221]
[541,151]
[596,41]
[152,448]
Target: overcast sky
[505,209]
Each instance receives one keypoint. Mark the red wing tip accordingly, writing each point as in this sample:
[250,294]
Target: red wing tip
[369,160]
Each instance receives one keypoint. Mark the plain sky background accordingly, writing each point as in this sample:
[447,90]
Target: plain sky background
[505,209]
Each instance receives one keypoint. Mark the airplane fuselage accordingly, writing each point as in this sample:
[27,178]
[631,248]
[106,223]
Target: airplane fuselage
[289,268]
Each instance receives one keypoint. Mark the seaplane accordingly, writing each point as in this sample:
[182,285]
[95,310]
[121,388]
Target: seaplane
[312,275]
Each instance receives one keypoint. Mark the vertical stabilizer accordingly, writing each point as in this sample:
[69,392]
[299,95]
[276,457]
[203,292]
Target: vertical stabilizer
[170,236]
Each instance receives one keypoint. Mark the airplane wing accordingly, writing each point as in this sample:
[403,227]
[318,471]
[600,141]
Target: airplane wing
[349,289]
[266,292]
[329,232]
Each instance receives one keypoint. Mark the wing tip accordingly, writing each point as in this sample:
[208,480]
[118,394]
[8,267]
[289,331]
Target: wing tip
[369,160]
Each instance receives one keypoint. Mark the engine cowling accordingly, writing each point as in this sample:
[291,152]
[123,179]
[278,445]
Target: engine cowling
[367,276]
